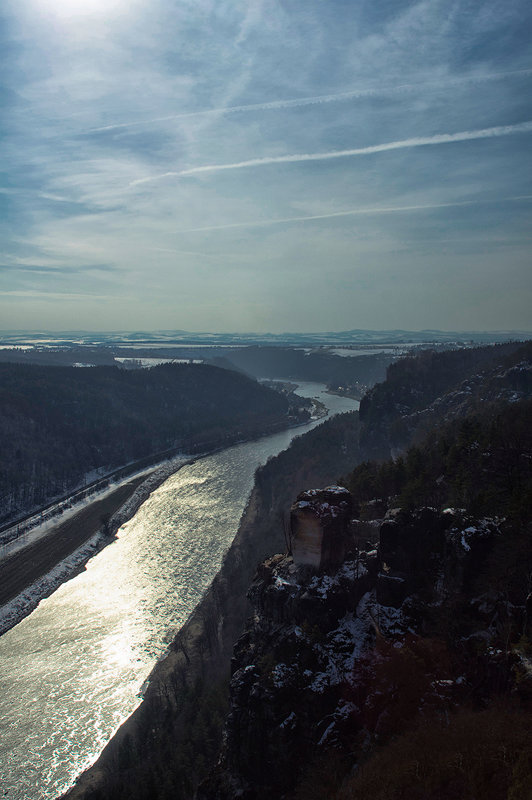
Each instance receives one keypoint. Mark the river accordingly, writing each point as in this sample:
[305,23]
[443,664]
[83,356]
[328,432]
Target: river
[71,672]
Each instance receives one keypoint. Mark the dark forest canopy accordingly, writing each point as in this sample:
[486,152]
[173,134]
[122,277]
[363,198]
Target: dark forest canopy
[413,382]
[59,423]
[481,462]
[424,390]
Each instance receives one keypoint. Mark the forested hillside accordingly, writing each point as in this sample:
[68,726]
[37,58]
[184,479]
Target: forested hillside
[480,462]
[354,372]
[423,390]
[59,423]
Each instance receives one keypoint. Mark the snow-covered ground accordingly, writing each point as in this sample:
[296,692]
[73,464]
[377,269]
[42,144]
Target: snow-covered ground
[64,513]
[347,352]
[154,362]
[21,605]
[27,600]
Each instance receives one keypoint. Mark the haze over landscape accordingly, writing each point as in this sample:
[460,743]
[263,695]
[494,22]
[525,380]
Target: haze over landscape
[265,166]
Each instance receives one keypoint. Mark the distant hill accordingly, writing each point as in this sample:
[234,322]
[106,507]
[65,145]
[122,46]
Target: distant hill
[316,365]
[313,338]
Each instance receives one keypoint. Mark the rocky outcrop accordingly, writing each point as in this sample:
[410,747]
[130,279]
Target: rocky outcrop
[431,554]
[289,670]
[318,526]
[333,656]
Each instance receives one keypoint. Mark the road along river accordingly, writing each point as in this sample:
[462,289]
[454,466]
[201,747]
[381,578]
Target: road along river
[71,672]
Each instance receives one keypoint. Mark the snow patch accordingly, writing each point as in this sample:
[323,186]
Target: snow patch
[290,721]
[18,608]
[282,674]
[326,733]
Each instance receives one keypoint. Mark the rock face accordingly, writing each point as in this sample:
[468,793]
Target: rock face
[318,523]
[431,554]
[327,657]
[289,668]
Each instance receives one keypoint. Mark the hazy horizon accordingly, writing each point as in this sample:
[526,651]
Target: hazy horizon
[176,333]
[263,166]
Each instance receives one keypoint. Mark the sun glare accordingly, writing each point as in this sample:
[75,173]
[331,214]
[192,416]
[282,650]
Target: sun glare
[66,9]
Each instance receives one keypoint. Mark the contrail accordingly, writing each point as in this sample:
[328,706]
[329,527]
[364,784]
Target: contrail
[315,100]
[419,141]
[349,213]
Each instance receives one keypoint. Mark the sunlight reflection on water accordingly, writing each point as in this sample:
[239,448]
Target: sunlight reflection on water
[71,671]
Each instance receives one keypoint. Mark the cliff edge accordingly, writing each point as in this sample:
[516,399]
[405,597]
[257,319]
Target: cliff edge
[340,659]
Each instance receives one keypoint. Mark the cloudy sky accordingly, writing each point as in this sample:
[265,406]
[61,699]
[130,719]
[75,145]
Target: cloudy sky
[266,165]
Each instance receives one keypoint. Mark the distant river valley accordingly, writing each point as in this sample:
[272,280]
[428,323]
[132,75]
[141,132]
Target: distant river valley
[72,671]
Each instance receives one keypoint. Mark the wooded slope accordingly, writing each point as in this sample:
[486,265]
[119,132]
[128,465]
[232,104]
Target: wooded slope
[59,423]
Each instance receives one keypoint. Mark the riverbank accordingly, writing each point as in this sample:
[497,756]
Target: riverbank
[37,570]
[182,681]
[62,550]
[173,735]
[23,568]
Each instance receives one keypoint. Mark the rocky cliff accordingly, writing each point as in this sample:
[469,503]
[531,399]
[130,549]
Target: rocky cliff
[336,662]
[389,653]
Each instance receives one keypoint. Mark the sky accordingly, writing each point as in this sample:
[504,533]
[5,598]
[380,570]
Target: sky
[305,165]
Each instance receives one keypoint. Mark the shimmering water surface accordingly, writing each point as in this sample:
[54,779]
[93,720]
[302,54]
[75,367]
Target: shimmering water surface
[70,673]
